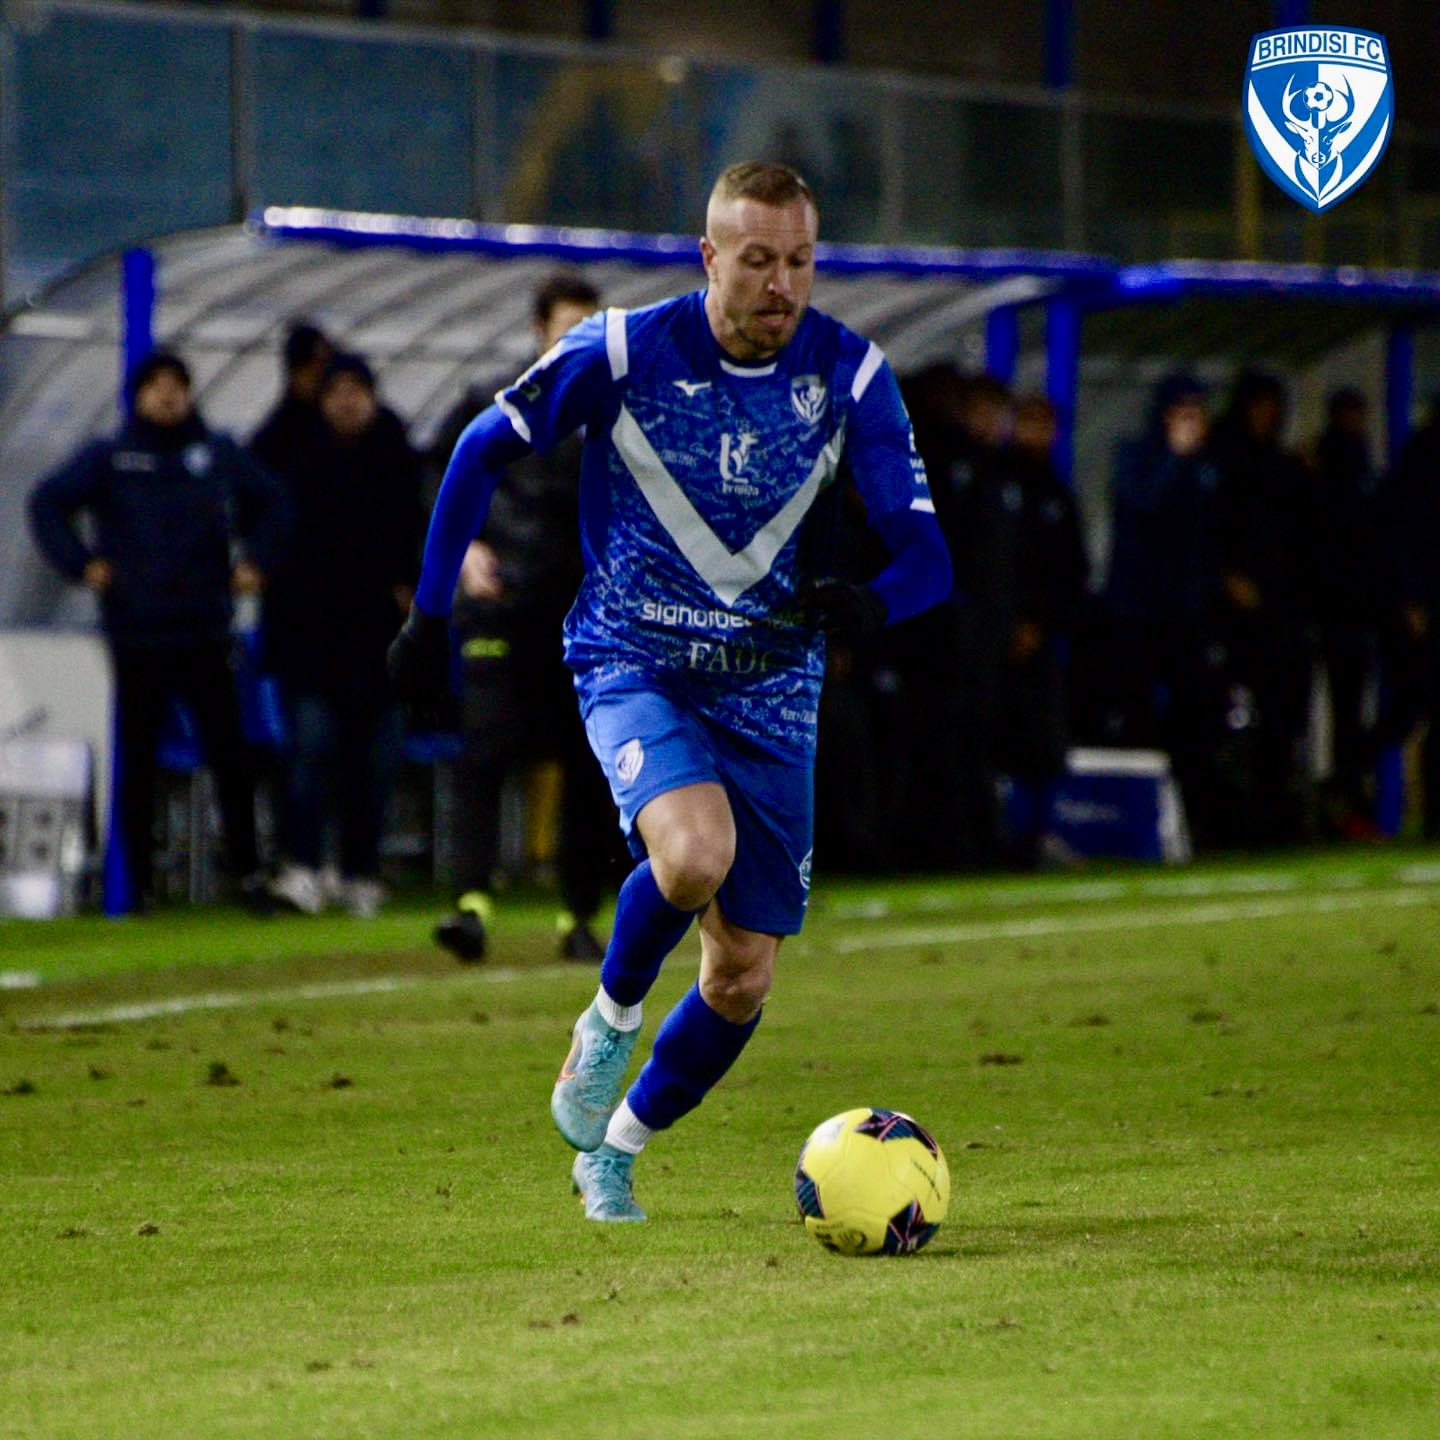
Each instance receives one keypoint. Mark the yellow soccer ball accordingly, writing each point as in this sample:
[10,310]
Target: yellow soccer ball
[872,1182]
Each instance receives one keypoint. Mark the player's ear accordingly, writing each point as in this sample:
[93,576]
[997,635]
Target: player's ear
[707,255]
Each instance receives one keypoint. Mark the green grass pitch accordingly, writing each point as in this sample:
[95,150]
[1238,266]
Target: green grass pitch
[299,1178]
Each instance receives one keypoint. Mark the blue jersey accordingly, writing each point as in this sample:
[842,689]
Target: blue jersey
[708,495]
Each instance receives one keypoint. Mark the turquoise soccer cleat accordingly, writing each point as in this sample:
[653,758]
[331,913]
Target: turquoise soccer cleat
[591,1080]
[602,1179]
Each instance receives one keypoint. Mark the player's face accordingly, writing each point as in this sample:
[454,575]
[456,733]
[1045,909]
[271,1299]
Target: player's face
[760,260]
[564,316]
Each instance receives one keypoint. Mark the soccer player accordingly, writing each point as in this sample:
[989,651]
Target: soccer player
[718,426]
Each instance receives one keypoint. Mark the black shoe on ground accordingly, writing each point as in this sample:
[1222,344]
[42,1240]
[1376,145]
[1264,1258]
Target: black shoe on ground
[581,943]
[463,935]
[255,896]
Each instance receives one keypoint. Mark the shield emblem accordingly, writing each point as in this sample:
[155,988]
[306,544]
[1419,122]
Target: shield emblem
[1319,107]
[807,395]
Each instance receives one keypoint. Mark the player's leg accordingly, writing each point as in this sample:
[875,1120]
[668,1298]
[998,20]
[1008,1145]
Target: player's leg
[762,898]
[689,835]
[700,1039]
[662,772]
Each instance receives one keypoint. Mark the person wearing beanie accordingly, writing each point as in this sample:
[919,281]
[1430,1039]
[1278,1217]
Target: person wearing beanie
[287,428]
[183,521]
[354,485]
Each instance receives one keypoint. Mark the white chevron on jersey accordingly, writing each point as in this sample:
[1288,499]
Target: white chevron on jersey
[729,573]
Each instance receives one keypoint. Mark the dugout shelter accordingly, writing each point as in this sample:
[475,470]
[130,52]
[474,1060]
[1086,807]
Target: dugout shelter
[436,304]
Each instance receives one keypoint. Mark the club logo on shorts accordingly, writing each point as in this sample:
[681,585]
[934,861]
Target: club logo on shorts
[807,396]
[1319,109]
[805,870]
[628,760]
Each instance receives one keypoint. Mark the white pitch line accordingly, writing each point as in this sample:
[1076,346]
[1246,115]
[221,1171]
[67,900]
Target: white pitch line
[1079,892]
[238,999]
[1083,892]
[1151,918]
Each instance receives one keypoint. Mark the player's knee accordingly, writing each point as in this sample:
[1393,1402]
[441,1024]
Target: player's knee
[692,865]
[736,974]
[737,994]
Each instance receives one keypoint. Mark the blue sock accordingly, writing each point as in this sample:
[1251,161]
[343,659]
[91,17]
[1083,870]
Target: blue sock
[647,928]
[693,1049]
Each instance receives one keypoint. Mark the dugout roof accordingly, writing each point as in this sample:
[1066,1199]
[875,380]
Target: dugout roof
[1251,313]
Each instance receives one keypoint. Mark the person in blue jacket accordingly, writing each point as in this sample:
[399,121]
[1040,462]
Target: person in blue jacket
[182,521]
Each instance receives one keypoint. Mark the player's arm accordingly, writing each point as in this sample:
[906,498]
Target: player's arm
[890,476]
[555,396]
[419,658]
[919,574]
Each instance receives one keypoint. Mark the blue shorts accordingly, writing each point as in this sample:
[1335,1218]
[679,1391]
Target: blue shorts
[648,743]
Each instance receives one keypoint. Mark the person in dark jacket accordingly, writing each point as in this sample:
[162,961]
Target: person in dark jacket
[1347,597]
[517,582]
[1411,620]
[183,520]
[1051,595]
[1266,517]
[1166,684]
[354,484]
[287,430]
[955,657]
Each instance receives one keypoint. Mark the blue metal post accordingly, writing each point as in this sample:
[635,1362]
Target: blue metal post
[1062,377]
[1002,342]
[137,312]
[1399,389]
[137,339]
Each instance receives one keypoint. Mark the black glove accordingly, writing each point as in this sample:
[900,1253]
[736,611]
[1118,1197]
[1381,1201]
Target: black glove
[419,660]
[843,610]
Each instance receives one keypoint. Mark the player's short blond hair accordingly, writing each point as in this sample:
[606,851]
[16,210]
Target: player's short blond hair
[765,181]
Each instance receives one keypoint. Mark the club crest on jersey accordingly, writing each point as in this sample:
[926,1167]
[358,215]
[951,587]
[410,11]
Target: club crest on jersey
[1319,107]
[807,396]
[735,453]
